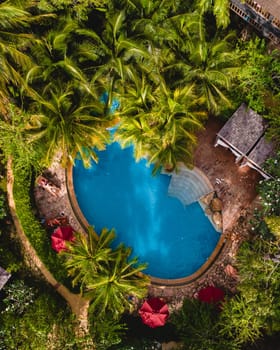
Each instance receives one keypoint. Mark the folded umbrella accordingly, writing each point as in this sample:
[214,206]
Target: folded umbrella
[60,236]
[211,294]
[154,312]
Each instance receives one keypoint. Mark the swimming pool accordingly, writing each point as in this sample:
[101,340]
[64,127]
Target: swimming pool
[175,240]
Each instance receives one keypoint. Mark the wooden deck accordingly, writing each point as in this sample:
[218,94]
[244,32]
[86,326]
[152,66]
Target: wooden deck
[263,15]
[272,6]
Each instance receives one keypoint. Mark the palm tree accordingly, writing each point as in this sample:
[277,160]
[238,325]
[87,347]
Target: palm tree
[161,124]
[111,290]
[211,64]
[88,255]
[214,66]
[57,57]
[220,8]
[13,40]
[179,118]
[121,56]
[68,122]
[151,21]
[107,277]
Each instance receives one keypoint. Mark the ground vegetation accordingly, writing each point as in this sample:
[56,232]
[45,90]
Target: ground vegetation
[170,65]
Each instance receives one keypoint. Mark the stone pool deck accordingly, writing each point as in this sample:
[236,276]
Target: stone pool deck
[234,187]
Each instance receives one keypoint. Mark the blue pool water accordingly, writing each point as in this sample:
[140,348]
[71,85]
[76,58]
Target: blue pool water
[119,193]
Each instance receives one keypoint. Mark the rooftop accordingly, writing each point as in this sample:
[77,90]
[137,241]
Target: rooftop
[4,276]
[244,135]
[256,158]
[242,130]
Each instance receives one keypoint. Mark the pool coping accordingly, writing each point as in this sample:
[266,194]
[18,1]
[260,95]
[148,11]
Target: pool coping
[154,280]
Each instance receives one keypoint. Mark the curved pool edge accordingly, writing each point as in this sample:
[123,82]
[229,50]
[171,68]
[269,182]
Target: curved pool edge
[196,275]
[73,200]
[154,280]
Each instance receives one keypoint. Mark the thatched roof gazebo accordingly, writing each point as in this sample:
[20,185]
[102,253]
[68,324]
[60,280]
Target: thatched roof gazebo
[243,134]
[256,158]
[4,277]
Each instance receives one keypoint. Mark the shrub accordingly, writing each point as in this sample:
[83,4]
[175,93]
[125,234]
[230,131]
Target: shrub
[257,309]
[199,328]
[18,297]
[46,323]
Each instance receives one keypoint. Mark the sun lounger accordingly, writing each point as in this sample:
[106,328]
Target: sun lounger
[48,186]
[57,221]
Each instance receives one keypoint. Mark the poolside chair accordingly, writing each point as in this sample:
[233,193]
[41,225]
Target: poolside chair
[48,186]
[57,221]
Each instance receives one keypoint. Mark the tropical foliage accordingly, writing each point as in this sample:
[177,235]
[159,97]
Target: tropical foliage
[220,8]
[259,81]
[256,309]
[171,67]
[198,326]
[35,320]
[109,278]
[14,36]
[205,57]
[161,124]
[18,297]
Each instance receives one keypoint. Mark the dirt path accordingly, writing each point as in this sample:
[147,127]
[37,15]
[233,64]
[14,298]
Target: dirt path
[78,304]
[235,186]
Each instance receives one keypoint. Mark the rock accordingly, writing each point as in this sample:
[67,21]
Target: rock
[207,199]
[172,345]
[216,204]
[208,211]
[231,271]
[217,219]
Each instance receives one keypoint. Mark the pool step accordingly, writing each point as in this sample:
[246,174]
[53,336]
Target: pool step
[188,186]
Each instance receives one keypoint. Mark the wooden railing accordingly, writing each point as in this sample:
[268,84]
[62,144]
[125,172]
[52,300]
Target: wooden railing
[258,17]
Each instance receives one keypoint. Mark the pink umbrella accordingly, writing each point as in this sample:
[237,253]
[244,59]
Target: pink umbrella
[60,236]
[211,295]
[154,312]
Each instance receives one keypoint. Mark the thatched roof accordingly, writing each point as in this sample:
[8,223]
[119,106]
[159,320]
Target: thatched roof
[4,276]
[242,130]
[256,158]
[243,134]
[261,152]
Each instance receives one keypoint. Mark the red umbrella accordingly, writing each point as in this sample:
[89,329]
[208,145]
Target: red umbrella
[60,235]
[154,312]
[211,295]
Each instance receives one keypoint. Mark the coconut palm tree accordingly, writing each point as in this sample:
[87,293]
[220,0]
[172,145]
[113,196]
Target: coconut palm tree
[211,64]
[88,255]
[220,9]
[70,122]
[161,124]
[57,57]
[179,118]
[14,37]
[121,56]
[151,20]
[107,277]
[214,66]
[111,290]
